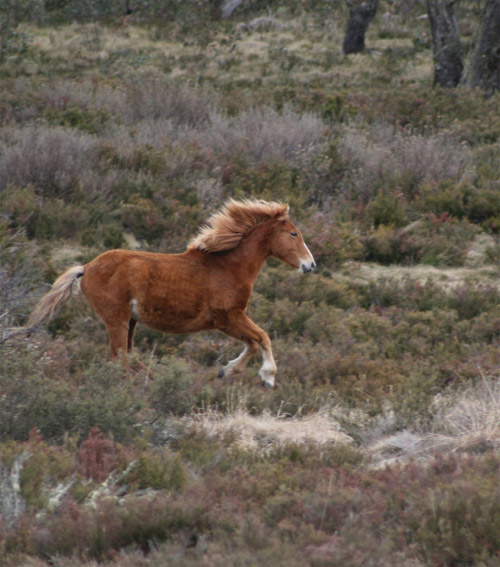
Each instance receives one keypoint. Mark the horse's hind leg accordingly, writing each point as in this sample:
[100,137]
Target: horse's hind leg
[118,341]
[131,328]
[239,326]
[238,364]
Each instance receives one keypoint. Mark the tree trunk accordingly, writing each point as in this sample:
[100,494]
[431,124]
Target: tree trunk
[448,63]
[360,16]
[484,67]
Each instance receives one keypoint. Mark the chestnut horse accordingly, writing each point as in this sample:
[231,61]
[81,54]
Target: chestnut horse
[206,287]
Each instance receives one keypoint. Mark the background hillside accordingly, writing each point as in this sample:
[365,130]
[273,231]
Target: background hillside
[380,444]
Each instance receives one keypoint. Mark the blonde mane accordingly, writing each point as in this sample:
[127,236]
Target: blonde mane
[225,229]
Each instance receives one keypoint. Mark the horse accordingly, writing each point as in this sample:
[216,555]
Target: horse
[206,287]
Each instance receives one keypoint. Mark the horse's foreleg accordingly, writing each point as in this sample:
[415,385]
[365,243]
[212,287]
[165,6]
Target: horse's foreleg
[239,326]
[268,369]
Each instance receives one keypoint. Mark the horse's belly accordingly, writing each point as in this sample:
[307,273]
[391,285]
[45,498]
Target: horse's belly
[171,318]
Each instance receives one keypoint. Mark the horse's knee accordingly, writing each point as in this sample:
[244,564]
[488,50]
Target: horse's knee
[253,347]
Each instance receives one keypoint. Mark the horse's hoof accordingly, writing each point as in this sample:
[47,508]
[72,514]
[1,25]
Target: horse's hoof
[220,374]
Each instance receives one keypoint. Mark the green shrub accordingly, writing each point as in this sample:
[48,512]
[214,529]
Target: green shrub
[471,301]
[45,466]
[137,523]
[37,397]
[161,470]
[142,218]
[438,241]
[171,389]
[332,243]
[477,205]
[387,209]
[14,41]
[73,116]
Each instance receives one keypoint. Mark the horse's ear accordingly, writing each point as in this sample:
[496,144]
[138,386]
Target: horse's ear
[284,213]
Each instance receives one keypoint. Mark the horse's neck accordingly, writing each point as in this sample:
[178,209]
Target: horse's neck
[252,252]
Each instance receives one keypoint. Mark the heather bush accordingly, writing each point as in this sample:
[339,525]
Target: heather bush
[332,243]
[387,209]
[401,161]
[439,241]
[21,270]
[44,466]
[39,398]
[471,301]
[52,160]
[99,533]
[160,470]
[163,102]
[141,217]
[446,525]
[275,283]
[477,205]
[171,389]
[264,135]
[90,121]
[97,456]
[13,40]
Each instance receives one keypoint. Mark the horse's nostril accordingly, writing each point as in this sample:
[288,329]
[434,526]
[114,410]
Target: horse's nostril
[313,265]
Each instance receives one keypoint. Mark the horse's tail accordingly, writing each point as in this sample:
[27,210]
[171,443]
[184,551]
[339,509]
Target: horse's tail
[60,292]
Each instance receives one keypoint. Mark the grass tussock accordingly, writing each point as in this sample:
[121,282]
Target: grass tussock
[258,433]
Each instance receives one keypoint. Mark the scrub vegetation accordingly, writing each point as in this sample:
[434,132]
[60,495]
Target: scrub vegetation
[380,444]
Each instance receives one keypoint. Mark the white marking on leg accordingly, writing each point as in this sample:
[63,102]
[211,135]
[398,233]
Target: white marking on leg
[268,369]
[134,309]
[237,365]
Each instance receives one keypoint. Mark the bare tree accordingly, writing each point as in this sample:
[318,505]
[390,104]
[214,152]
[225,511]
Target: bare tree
[448,62]
[483,70]
[361,13]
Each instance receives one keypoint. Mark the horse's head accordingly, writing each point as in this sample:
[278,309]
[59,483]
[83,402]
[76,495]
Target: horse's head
[288,245]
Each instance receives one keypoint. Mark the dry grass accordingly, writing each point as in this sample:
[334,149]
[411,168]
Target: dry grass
[447,278]
[471,420]
[268,431]
[266,50]
[465,422]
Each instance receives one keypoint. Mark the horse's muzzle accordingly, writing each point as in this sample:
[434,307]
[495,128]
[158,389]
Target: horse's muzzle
[309,267]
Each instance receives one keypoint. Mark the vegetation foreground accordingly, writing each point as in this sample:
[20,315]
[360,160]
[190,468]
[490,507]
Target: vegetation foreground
[380,444]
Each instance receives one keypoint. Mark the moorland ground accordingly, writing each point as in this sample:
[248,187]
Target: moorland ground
[380,444]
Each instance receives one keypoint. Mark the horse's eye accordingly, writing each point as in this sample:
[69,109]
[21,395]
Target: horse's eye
[294,234]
